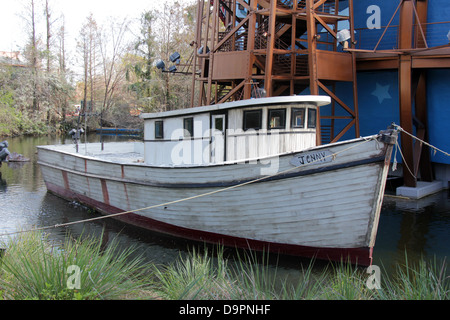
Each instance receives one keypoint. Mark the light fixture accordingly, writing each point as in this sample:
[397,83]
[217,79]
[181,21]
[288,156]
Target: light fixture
[200,50]
[343,36]
[160,65]
[175,57]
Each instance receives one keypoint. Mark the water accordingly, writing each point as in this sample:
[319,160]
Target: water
[419,228]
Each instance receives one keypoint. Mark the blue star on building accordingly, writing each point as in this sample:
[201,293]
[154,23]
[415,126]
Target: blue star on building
[382,93]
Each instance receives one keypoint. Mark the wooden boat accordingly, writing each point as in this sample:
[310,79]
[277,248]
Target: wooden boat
[243,174]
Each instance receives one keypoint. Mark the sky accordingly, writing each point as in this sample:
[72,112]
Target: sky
[12,35]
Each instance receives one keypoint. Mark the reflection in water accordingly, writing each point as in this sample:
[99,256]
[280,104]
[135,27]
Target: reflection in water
[3,184]
[419,227]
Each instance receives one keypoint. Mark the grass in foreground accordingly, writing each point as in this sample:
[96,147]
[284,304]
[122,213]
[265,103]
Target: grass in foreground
[33,269]
[200,277]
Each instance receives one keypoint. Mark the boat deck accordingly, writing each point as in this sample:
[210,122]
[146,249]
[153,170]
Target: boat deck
[116,152]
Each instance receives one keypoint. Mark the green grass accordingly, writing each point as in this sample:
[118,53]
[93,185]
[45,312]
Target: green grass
[200,277]
[31,268]
[423,280]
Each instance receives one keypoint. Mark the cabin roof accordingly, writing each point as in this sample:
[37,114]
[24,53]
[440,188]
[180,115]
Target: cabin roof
[305,99]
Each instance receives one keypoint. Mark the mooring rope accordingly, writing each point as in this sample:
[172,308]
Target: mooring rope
[333,156]
[420,140]
[394,165]
[397,147]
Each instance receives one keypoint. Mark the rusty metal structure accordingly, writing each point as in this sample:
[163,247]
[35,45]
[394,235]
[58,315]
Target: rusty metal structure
[244,46]
[249,48]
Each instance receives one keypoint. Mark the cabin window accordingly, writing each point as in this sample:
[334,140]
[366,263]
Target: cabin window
[188,126]
[252,119]
[218,123]
[159,130]
[298,118]
[277,118]
[312,118]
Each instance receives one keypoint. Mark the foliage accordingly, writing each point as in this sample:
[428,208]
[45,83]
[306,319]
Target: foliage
[15,115]
[162,33]
[117,77]
[200,277]
[424,280]
[31,268]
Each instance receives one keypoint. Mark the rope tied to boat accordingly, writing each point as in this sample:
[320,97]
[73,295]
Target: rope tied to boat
[397,148]
[333,156]
[420,140]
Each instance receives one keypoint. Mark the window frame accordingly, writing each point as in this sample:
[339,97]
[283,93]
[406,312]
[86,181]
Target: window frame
[314,125]
[293,118]
[159,134]
[244,118]
[282,121]
[188,132]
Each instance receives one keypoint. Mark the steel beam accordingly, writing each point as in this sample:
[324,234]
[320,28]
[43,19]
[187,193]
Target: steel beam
[405,89]
[270,48]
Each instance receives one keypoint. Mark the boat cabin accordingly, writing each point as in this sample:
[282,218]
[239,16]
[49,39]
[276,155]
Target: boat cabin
[230,132]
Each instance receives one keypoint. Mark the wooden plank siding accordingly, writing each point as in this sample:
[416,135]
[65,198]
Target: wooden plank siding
[307,210]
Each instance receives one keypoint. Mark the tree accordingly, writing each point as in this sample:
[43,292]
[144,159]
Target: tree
[175,33]
[32,50]
[40,84]
[163,32]
[140,65]
[49,33]
[112,48]
[63,72]
[88,46]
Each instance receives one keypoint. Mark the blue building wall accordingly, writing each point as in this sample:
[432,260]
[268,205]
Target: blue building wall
[378,102]
[438,99]
[378,93]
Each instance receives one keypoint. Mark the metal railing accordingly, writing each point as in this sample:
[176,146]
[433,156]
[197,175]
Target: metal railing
[429,35]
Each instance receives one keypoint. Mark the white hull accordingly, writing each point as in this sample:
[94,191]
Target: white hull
[325,209]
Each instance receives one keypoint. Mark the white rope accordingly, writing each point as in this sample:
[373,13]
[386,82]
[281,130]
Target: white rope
[184,199]
[404,161]
[426,143]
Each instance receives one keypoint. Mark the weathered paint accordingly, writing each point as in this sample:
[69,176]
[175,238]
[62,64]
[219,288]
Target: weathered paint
[325,209]
[238,143]
[360,255]
[105,191]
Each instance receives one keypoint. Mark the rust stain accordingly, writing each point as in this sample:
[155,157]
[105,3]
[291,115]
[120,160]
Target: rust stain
[105,192]
[66,180]
[88,185]
[123,171]
[126,196]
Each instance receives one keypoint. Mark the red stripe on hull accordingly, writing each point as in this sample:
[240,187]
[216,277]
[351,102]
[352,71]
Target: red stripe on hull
[359,256]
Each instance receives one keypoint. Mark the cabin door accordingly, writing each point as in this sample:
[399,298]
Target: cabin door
[218,138]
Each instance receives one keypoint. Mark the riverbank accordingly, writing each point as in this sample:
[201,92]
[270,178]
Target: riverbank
[34,268]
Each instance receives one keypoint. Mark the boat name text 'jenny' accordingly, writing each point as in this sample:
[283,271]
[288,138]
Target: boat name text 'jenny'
[312,158]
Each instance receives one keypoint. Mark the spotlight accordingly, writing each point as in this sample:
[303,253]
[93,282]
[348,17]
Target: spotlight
[200,50]
[175,57]
[160,65]
[343,36]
